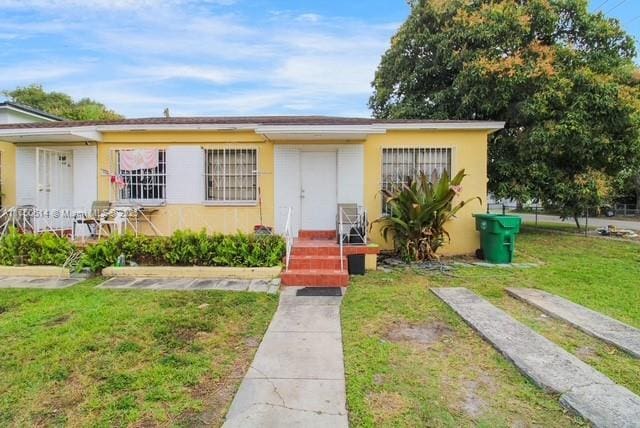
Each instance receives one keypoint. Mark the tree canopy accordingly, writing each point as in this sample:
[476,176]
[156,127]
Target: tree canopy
[563,79]
[60,104]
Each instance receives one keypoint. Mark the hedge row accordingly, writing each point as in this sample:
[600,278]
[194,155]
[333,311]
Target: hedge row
[183,248]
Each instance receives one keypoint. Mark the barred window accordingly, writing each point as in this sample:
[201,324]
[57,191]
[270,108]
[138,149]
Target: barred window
[143,179]
[399,165]
[231,175]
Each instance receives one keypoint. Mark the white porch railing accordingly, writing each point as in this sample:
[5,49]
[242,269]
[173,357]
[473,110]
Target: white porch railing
[30,219]
[10,217]
[288,236]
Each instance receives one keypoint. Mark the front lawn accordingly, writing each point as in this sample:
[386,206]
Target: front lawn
[411,361]
[90,357]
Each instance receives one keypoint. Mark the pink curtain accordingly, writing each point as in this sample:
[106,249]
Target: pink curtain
[132,160]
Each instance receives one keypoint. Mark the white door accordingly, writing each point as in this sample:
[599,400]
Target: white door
[287,187]
[318,191]
[54,180]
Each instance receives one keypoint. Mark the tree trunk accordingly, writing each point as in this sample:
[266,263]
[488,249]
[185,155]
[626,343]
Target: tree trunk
[576,218]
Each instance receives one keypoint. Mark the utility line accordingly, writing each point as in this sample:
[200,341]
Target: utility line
[602,4]
[615,7]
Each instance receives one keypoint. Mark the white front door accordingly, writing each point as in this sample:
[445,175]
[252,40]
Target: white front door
[54,180]
[318,191]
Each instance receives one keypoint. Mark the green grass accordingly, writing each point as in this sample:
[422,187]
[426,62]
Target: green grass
[394,382]
[568,227]
[89,357]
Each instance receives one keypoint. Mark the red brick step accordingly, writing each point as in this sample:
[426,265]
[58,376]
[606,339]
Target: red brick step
[315,278]
[318,235]
[317,262]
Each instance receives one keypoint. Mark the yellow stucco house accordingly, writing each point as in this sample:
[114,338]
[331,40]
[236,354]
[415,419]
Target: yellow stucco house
[232,173]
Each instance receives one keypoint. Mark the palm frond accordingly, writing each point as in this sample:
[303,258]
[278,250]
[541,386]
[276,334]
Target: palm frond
[417,213]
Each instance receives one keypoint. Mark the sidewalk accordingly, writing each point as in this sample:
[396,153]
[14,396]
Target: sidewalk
[593,222]
[581,388]
[297,376]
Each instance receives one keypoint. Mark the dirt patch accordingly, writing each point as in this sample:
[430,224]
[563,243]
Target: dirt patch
[386,405]
[378,379]
[422,334]
[586,353]
[216,396]
[205,335]
[62,319]
[186,335]
[473,404]
[252,341]
[56,405]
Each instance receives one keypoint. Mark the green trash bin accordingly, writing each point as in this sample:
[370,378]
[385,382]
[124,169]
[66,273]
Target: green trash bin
[498,236]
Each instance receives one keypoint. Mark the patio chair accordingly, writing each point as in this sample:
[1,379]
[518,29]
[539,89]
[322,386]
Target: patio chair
[94,220]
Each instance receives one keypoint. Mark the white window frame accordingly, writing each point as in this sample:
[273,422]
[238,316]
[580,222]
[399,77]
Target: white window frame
[229,197]
[159,194]
[410,161]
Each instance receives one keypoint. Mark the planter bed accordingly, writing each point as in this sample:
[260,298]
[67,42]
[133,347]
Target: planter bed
[193,272]
[35,271]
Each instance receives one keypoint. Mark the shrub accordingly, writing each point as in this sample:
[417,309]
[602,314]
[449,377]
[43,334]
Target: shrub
[419,211]
[187,248]
[42,249]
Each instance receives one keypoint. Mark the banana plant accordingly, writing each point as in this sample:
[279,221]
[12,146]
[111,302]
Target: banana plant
[418,212]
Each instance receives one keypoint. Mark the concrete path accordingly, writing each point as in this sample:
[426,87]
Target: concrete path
[591,322]
[582,389]
[191,284]
[297,376]
[33,282]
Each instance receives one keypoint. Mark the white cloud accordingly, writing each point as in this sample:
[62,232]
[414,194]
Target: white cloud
[105,4]
[194,58]
[332,74]
[309,17]
[36,73]
[217,75]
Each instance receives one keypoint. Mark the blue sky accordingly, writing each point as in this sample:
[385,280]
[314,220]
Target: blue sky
[210,57]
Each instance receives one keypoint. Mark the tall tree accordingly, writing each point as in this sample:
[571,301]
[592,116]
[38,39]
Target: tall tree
[561,77]
[60,104]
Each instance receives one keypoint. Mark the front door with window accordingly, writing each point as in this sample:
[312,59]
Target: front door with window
[318,193]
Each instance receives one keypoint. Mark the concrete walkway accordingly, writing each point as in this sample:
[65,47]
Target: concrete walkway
[192,284]
[591,322]
[35,282]
[297,376]
[582,389]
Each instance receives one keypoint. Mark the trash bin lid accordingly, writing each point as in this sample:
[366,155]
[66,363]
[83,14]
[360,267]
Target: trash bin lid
[485,216]
[505,221]
[508,221]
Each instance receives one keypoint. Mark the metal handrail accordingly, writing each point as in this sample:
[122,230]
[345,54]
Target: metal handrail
[341,240]
[288,236]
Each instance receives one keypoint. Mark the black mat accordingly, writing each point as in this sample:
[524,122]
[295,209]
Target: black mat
[319,291]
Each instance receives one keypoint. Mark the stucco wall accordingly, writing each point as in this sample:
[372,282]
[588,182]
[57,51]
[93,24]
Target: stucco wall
[8,178]
[226,218]
[469,151]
